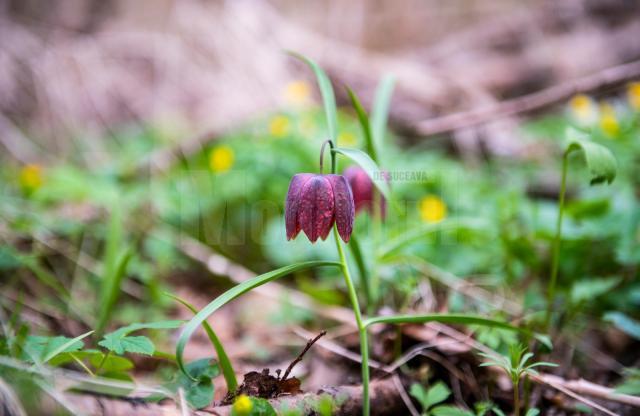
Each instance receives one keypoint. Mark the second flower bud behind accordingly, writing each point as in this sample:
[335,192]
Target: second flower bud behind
[364,192]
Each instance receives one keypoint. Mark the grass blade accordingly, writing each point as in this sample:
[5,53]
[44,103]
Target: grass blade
[230,295]
[451,319]
[110,289]
[409,237]
[64,346]
[380,111]
[228,372]
[363,118]
[354,246]
[328,96]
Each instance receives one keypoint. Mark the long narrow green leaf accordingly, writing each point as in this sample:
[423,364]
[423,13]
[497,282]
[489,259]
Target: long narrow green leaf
[354,246]
[45,276]
[230,295]
[371,167]
[380,111]
[223,359]
[110,290]
[326,90]
[452,319]
[363,118]
[64,346]
[420,232]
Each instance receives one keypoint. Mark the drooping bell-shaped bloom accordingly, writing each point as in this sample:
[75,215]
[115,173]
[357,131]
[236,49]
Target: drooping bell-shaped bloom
[315,202]
[364,192]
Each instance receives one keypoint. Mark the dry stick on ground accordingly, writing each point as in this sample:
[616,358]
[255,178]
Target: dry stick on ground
[591,389]
[304,351]
[607,78]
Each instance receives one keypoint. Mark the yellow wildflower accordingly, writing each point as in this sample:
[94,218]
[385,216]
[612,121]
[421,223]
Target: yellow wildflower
[31,177]
[279,126]
[583,109]
[221,159]
[608,120]
[297,92]
[242,405]
[432,209]
[347,139]
[633,95]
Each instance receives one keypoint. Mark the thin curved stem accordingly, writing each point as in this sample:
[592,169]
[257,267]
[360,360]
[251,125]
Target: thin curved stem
[362,330]
[551,290]
[333,156]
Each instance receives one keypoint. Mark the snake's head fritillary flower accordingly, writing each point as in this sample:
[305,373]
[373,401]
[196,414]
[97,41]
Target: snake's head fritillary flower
[315,202]
[364,192]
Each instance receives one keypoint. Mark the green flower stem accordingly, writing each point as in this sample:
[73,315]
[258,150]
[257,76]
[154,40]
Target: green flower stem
[353,297]
[362,330]
[516,397]
[356,252]
[551,290]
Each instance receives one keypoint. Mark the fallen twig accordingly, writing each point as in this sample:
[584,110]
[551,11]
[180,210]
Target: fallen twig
[304,351]
[588,388]
[604,79]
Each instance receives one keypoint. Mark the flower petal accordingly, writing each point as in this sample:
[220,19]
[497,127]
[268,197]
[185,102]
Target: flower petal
[316,209]
[344,205]
[293,202]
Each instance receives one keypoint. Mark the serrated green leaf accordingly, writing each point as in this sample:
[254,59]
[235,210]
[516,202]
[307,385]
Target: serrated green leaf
[134,344]
[119,342]
[41,348]
[419,393]
[233,293]
[600,161]
[437,393]
[532,412]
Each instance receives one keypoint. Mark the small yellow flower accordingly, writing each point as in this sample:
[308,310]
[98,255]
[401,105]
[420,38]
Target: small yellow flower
[608,120]
[633,95]
[31,177]
[347,139]
[221,159]
[242,405]
[279,126]
[432,209]
[583,109]
[297,92]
